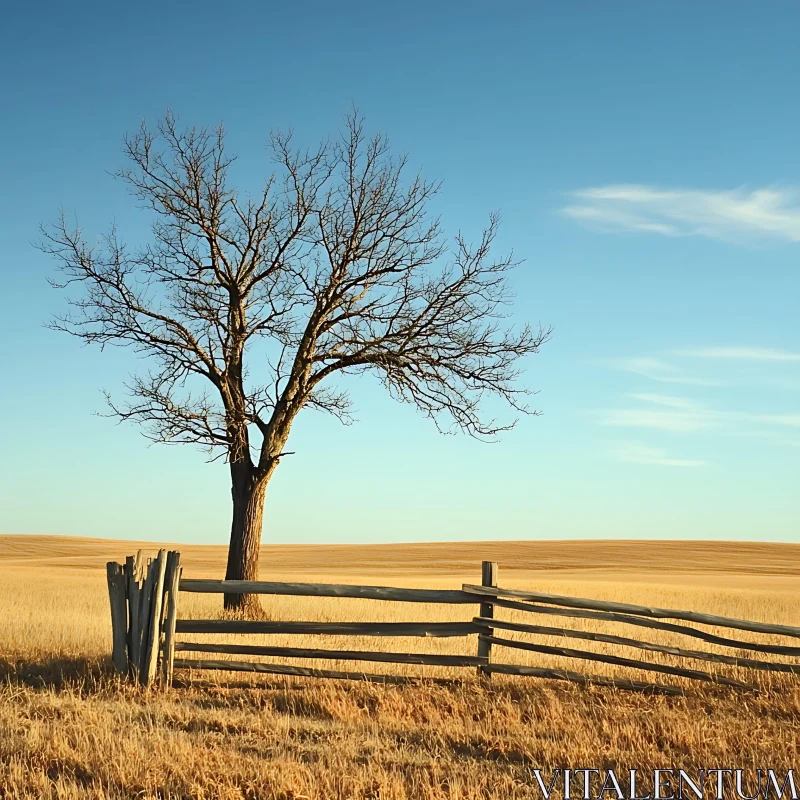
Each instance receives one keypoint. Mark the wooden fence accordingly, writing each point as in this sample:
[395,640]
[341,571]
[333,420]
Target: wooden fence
[144,616]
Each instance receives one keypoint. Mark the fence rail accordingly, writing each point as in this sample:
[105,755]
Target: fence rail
[642,611]
[144,596]
[427,629]
[628,619]
[332,655]
[327,590]
[624,641]
[307,672]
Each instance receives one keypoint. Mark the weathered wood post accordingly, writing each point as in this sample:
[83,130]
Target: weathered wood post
[145,601]
[172,588]
[152,643]
[128,576]
[119,616]
[488,578]
[134,573]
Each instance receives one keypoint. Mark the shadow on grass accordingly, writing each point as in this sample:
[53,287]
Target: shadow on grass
[61,672]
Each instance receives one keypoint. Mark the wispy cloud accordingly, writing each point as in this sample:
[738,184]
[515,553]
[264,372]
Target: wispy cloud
[680,415]
[771,436]
[784,420]
[739,354]
[671,421]
[656,370]
[770,213]
[665,400]
[675,415]
[637,453]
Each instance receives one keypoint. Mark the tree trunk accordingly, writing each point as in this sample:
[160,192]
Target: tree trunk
[248,515]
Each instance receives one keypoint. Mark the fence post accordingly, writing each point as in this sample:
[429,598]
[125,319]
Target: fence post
[173,587]
[153,643]
[119,616]
[128,577]
[488,578]
[145,604]
[135,580]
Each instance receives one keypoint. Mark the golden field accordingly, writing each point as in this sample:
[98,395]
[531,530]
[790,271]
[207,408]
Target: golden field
[68,728]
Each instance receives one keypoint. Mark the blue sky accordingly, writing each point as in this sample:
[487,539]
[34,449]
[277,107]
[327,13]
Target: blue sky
[644,157]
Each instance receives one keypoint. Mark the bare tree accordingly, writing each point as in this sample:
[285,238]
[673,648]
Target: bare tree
[337,266]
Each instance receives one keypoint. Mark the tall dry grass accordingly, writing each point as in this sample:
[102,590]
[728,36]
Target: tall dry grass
[68,728]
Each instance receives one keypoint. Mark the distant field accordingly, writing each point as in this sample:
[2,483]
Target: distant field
[636,558]
[294,738]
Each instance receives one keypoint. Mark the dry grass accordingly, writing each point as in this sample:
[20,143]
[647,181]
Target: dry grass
[68,729]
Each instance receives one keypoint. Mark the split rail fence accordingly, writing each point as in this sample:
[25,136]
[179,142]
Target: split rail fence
[144,614]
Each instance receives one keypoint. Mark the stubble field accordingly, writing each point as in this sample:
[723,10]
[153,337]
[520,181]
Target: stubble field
[68,728]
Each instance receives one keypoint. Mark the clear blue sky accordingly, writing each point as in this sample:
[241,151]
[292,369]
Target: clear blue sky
[644,157]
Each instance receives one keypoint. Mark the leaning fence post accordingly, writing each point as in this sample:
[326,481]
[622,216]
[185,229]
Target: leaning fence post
[135,580]
[128,578]
[153,641]
[488,578]
[145,604]
[168,656]
[119,615]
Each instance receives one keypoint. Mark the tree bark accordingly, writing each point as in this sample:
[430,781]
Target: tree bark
[248,491]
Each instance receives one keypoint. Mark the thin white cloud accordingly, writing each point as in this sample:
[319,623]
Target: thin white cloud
[771,436]
[637,453]
[665,400]
[739,354]
[671,421]
[767,213]
[656,370]
[682,416]
[784,420]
